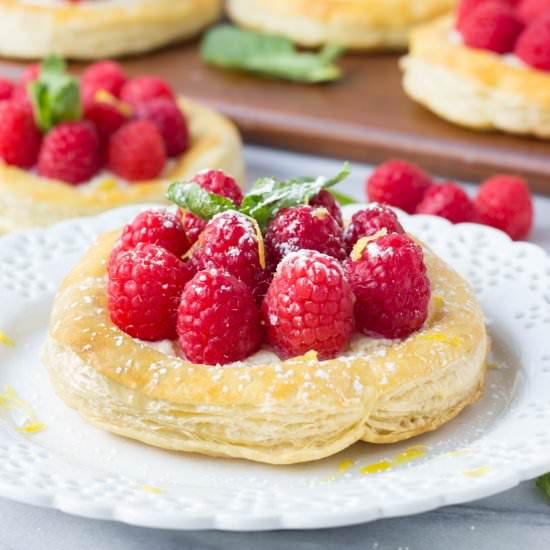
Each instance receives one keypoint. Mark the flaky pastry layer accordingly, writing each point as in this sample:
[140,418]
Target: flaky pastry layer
[355,24]
[95,30]
[27,200]
[264,409]
[475,88]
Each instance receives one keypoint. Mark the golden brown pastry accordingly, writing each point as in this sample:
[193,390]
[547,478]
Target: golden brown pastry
[475,88]
[355,24]
[263,408]
[96,29]
[27,200]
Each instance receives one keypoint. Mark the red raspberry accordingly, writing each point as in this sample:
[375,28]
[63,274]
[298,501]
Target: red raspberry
[216,181]
[30,74]
[70,153]
[103,75]
[309,306]
[303,227]
[19,137]
[449,201]
[369,221]
[465,7]
[193,225]
[398,183]
[106,118]
[390,283]
[145,88]
[21,96]
[136,151]
[492,26]
[144,289]
[530,10]
[160,227]
[218,320]
[7,89]
[504,202]
[230,242]
[533,46]
[170,121]
[325,199]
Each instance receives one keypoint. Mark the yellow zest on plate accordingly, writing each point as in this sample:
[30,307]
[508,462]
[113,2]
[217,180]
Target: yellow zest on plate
[376,467]
[412,453]
[151,489]
[5,340]
[477,472]
[10,401]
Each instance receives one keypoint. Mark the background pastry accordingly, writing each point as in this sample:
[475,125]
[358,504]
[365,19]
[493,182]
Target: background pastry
[355,24]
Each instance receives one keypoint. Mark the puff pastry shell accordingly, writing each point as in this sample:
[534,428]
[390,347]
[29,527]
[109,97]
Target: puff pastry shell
[99,29]
[27,200]
[355,24]
[264,409]
[475,88]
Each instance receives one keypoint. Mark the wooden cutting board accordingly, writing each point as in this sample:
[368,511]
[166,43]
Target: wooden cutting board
[364,117]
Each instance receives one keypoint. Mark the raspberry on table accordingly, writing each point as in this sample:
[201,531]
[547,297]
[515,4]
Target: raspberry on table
[308,306]
[398,183]
[325,199]
[303,227]
[492,26]
[369,221]
[392,289]
[19,137]
[155,226]
[218,321]
[106,118]
[530,10]
[169,120]
[70,152]
[103,75]
[231,242]
[136,151]
[144,88]
[449,201]
[7,88]
[533,46]
[504,202]
[216,181]
[144,289]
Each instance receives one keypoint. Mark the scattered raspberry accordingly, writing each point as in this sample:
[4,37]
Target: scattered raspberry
[21,96]
[216,181]
[533,46]
[170,121]
[106,118]
[388,277]
[160,227]
[465,7]
[19,137]
[31,73]
[449,201]
[398,183]
[136,151]
[70,152]
[230,242]
[492,26]
[218,320]
[309,306]
[369,221]
[7,89]
[145,285]
[530,10]
[103,75]
[303,227]
[504,202]
[193,225]
[144,88]
[325,199]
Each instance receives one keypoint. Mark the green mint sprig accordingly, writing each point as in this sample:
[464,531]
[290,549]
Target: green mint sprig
[543,482]
[262,202]
[230,47]
[55,96]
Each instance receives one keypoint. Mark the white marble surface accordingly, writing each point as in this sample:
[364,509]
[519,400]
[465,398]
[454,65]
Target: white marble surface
[516,519]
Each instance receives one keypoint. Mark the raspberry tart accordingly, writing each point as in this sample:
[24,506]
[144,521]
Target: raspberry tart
[278,354]
[93,29]
[354,24]
[486,67]
[76,148]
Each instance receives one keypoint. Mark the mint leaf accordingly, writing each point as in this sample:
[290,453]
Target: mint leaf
[55,96]
[342,199]
[268,195]
[273,56]
[543,482]
[192,197]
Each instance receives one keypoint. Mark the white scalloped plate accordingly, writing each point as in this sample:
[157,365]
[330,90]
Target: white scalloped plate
[493,445]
